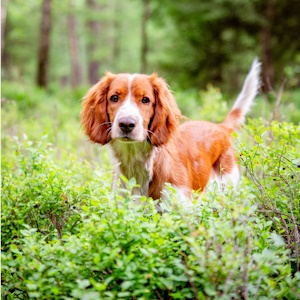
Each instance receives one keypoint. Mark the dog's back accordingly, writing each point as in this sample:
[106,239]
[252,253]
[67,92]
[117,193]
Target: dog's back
[202,151]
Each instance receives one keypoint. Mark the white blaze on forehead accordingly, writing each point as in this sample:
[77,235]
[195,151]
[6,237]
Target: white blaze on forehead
[130,79]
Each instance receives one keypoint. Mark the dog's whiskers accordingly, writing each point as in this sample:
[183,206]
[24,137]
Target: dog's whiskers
[104,124]
[108,131]
[149,131]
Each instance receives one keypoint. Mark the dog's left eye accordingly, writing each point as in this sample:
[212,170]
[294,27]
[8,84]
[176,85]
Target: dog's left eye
[114,98]
[145,100]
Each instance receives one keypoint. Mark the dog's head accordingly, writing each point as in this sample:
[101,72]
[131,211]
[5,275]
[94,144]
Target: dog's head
[130,107]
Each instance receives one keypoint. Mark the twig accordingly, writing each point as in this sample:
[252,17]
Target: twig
[195,290]
[264,102]
[245,274]
[296,232]
[158,294]
[226,282]
[278,99]
[257,286]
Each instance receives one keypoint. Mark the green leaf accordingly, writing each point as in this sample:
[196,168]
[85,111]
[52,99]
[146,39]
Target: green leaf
[14,248]
[268,223]
[123,294]
[31,286]
[126,285]
[210,290]
[144,251]
[85,208]
[258,139]
[277,239]
[94,202]
[83,283]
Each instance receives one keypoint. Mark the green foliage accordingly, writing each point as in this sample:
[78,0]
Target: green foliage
[207,105]
[100,249]
[66,235]
[117,44]
[214,41]
[273,164]
[189,42]
[38,193]
[212,105]
[213,108]
[32,112]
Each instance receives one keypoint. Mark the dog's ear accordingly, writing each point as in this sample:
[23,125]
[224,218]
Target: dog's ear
[94,117]
[166,115]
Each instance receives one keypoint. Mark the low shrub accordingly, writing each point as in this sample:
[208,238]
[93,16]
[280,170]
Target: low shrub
[39,193]
[209,104]
[99,249]
[272,162]
[66,236]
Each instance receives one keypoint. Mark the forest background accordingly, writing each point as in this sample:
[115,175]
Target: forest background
[63,235]
[58,44]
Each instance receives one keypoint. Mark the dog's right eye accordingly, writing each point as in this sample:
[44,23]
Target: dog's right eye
[114,98]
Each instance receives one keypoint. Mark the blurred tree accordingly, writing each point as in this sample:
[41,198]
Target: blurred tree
[212,37]
[282,18]
[266,46]
[206,35]
[116,34]
[190,42]
[21,39]
[95,28]
[44,44]
[73,44]
[3,22]
[146,16]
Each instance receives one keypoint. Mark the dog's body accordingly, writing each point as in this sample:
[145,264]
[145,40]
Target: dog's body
[139,118]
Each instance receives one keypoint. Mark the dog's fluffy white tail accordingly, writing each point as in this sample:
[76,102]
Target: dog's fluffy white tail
[246,97]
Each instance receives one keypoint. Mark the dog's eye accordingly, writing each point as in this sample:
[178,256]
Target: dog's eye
[114,98]
[145,100]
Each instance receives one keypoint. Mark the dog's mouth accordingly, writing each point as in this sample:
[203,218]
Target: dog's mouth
[127,139]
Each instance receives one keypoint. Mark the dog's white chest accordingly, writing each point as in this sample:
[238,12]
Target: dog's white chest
[133,159]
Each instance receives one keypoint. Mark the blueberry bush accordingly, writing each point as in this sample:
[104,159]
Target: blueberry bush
[66,236]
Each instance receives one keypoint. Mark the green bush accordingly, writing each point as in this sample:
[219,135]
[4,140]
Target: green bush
[273,164]
[39,193]
[99,249]
[209,105]
[66,236]
[56,115]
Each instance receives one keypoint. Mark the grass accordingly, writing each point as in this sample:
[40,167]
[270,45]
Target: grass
[64,236]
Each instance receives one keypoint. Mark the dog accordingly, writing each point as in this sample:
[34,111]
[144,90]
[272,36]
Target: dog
[137,116]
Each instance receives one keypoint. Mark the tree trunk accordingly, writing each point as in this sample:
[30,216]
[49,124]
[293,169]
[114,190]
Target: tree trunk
[3,22]
[266,48]
[5,54]
[146,16]
[117,33]
[75,65]
[43,55]
[95,32]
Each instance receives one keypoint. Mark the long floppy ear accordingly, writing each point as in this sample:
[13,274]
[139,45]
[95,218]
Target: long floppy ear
[94,117]
[166,115]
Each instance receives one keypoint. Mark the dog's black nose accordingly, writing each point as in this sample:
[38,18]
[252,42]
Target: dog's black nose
[126,124]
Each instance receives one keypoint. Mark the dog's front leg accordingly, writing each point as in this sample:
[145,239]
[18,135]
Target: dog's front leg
[116,176]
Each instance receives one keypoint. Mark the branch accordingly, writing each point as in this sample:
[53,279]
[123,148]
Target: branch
[278,99]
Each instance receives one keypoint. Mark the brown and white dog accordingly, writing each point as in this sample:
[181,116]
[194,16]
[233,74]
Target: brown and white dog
[138,117]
